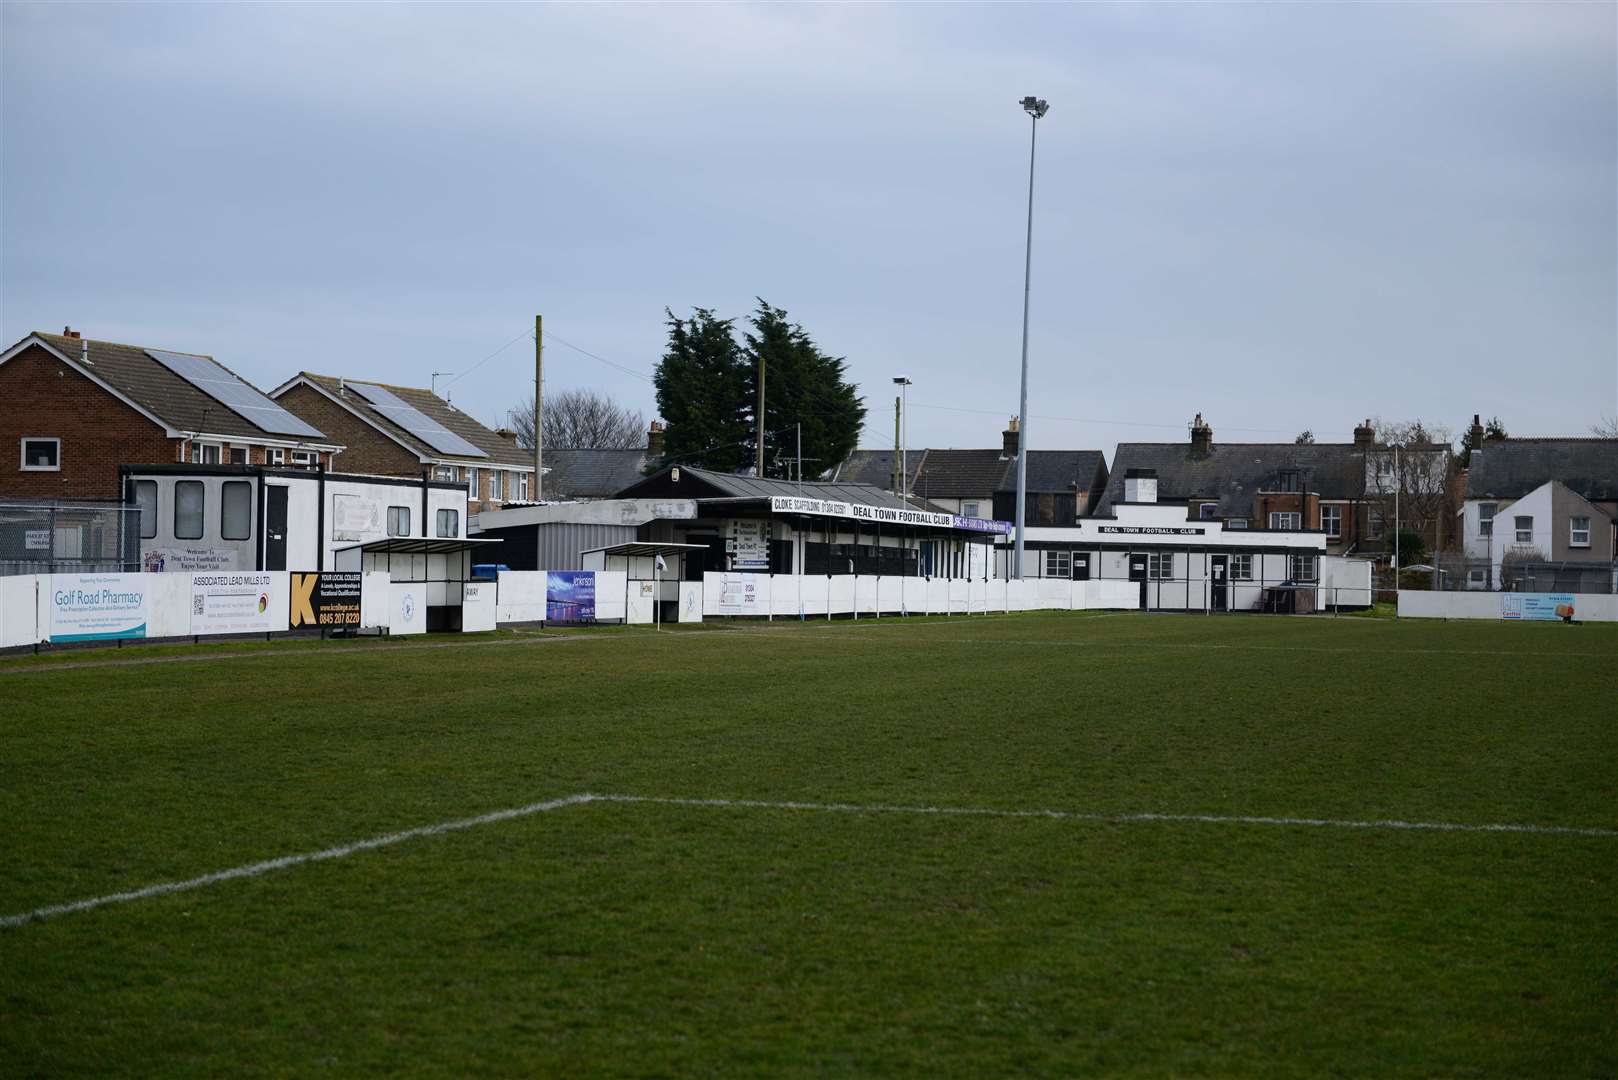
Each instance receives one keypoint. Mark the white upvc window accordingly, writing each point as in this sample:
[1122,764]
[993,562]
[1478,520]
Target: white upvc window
[1302,568]
[1284,519]
[969,509]
[238,455]
[1578,532]
[522,487]
[1058,564]
[1374,524]
[277,456]
[303,459]
[1486,518]
[444,472]
[205,453]
[497,485]
[41,454]
[1331,520]
[471,483]
[1525,528]
[1241,568]
[1160,565]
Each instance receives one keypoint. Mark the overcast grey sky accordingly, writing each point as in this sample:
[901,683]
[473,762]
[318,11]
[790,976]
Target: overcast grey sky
[1284,216]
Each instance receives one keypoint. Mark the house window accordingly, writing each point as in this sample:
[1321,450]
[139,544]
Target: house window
[1578,532]
[1331,520]
[1160,565]
[188,510]
[41,455]
[1289,480]
[522,488]
[1373,524]
[303,459]
[444,472]
[1486,518]
[278,457]
[449,523]
[1235,523]
[1525,528]
[146,499]
[471,483]
[1241,568]
[205,453]
[1302,567]
[969,509]
[1208,511]
[497,486]
[1284,519]
[1475,576]
[398,521]
[238,455]
[236,510]
[1058,564]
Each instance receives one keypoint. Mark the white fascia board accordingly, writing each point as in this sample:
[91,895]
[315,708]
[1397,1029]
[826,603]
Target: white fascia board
[168,429]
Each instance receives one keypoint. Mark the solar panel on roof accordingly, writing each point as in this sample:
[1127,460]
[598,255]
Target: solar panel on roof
[233,394]
[416,422]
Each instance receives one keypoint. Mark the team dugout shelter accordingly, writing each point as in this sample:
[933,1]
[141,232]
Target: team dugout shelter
[747,524]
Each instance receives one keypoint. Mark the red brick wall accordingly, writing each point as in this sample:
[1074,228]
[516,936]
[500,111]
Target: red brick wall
[42,397]
[366,450]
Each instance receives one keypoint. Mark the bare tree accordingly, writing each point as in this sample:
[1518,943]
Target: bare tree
[581,420]
[1416,478]
[1306,437]
[1605,428]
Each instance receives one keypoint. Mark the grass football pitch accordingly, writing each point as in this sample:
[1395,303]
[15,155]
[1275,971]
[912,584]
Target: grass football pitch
[772,878]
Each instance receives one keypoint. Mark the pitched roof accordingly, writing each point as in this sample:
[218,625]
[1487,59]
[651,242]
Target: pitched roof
[732,486]
[1231,473]
[1056,470]
[591,474]
[1511,468]
[132,372]
[955,474]
[873,467]
[501,451]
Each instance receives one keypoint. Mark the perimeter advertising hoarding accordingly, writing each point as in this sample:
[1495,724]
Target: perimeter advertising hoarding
[785,504]
[570,596]
[98,607]
[235,603]
[738,594]
[170,560]
[325,600]
[1542,606]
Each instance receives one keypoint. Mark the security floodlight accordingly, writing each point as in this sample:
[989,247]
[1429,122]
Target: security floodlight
[902,380]
[1035,107]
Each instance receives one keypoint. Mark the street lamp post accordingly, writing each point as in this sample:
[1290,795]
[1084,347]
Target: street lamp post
[903,382]
[1035,108]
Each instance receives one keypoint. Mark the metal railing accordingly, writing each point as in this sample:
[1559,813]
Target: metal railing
[68,538]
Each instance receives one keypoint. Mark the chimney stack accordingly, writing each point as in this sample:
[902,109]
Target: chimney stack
[1009,439]
[1477,431]
[654,440]
[1140,486]
[1365,436]
[1201,439]
[68,331]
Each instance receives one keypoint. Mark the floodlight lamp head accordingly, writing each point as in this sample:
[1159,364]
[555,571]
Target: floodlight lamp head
[1035,107]
[902,380]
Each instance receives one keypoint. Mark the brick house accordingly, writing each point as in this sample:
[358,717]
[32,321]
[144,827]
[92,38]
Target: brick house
[1345,490]
[1062,485]
[392,431]
[75,409]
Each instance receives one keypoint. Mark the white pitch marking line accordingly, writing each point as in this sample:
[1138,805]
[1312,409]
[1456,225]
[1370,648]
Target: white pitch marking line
[268,865]
[286,861]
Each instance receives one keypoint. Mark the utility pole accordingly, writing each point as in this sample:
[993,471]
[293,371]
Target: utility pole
[539,387]
[758,450]
[897,465]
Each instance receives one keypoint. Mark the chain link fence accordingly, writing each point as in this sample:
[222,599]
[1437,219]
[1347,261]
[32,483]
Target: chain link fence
[1453,572]
[68,538]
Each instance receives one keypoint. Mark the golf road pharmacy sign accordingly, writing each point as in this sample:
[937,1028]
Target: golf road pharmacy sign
[98,607]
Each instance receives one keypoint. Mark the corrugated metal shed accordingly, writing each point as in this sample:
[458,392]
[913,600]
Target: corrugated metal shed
[551,545]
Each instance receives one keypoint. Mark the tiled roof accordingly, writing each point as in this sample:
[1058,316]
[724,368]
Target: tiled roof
[970,474]
[732,486]
[1231,473]
[141,379]
[1056,470]
[1511,468]
[501,451]
[955,474]
[591,474]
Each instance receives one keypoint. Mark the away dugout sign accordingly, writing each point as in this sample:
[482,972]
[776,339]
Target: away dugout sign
[325,601]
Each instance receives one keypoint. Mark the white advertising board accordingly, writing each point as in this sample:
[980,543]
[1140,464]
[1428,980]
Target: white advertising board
[749,544]
[477,606]
[409,603]
[354,517]
[736,594]
[237,603]
[187,560]
[97,607]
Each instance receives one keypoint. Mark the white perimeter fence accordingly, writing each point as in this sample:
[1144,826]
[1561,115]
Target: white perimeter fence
[1527,607]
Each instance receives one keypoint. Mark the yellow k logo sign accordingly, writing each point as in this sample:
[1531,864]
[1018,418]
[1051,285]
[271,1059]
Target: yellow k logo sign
[303,591]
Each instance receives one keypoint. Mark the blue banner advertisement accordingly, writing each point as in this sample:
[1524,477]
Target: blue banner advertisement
[1550,607]
[98,607]
[570,596]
